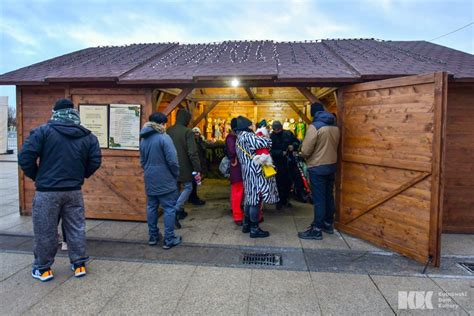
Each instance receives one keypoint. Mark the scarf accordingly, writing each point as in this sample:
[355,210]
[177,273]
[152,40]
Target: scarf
[160,128]
[66,116]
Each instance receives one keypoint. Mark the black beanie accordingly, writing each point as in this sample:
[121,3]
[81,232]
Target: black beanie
[158,117]
[63,104]
[243,123]
[316,107]
[233,123]
[277,125]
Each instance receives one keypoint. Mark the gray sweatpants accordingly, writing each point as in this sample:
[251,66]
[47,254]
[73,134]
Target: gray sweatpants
[47,208]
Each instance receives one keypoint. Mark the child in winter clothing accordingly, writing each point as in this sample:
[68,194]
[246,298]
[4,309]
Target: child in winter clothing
[262,156]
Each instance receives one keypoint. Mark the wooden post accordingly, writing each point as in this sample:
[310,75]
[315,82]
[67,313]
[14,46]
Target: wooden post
[299,112]
[177,100]
[204,113]
[308,95]
[19,141]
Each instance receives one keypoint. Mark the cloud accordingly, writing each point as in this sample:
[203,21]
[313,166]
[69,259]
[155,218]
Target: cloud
[16,31]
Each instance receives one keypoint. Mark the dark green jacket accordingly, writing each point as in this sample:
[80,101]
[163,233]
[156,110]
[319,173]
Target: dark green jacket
[183,139]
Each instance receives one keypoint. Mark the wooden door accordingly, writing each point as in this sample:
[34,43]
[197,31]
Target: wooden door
[389,188]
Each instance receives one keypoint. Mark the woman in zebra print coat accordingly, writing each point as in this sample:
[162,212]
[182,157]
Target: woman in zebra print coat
[257,188]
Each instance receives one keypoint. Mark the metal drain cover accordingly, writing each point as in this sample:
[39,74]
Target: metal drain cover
[261,259]
[468,266]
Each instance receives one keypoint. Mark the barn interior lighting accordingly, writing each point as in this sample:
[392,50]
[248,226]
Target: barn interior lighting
[235,82]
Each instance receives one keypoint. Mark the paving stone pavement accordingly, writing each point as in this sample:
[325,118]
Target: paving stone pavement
[126,285]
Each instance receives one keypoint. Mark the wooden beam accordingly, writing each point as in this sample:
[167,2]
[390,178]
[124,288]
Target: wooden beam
[251,95]
[221,98]
[206,111]
[157,103]
[299,112]
[177,100]
[392,194]
[308,95]
[325,92]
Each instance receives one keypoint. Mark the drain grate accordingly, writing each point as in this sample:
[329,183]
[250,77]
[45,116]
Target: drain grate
[468,266]
[261,259]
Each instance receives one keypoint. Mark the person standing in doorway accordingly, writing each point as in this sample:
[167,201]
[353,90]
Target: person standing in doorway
[236,182]
[57,156]
[159,161]
[188,157]
[257,188]
[283,145]
[201,148]
[320,151]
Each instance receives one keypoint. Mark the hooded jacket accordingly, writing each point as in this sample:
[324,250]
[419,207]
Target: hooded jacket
[158,159]
[320,144]
[183,139]
[67,154]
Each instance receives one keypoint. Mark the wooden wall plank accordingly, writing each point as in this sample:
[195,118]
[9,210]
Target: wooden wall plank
[458,162]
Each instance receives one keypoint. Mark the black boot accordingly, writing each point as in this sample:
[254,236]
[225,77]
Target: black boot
[257,232]
[246,225]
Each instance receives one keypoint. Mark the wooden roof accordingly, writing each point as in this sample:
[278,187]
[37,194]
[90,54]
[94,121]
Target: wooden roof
[325,61]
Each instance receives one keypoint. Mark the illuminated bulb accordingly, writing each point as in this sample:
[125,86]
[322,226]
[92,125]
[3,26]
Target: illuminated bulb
[235,82]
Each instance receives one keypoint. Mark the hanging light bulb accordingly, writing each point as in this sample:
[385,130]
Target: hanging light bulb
[235,82]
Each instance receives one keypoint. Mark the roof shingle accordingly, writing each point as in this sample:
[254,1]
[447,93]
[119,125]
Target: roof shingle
[326,60]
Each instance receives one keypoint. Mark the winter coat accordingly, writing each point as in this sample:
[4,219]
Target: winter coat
[320,144]
[235,168]
[67,154]
[256,186]
[185,144]
[201,148]
[159,160]
[280,143]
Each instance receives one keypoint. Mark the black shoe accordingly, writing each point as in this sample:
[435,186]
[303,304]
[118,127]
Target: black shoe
[238,223]
[177,224]
[328,228]
[170,244]
[198,202]
[279,206]
[246,225]
[311,233]
[153,240]
[257,232]
[181,214]
[288,204]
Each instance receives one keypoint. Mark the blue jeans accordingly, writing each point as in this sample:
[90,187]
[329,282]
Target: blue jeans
[168,202]
[184,196]
[322,188]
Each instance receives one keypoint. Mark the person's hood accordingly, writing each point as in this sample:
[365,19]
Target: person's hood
[323,118]
[69,129]
[151,128]
[183,117]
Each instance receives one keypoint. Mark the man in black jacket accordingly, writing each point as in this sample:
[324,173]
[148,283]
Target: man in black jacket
[283,145]
[58,156]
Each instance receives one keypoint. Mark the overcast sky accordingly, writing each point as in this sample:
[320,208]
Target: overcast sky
[36,30]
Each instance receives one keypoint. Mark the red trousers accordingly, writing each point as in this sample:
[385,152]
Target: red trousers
[236,196]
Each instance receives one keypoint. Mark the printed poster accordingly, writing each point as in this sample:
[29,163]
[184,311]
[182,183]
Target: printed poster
[95,119]
[124,128]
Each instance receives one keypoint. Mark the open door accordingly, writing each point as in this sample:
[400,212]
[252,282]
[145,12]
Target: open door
[389,188]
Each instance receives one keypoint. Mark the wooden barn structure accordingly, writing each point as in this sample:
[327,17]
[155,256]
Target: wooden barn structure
[405,108]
